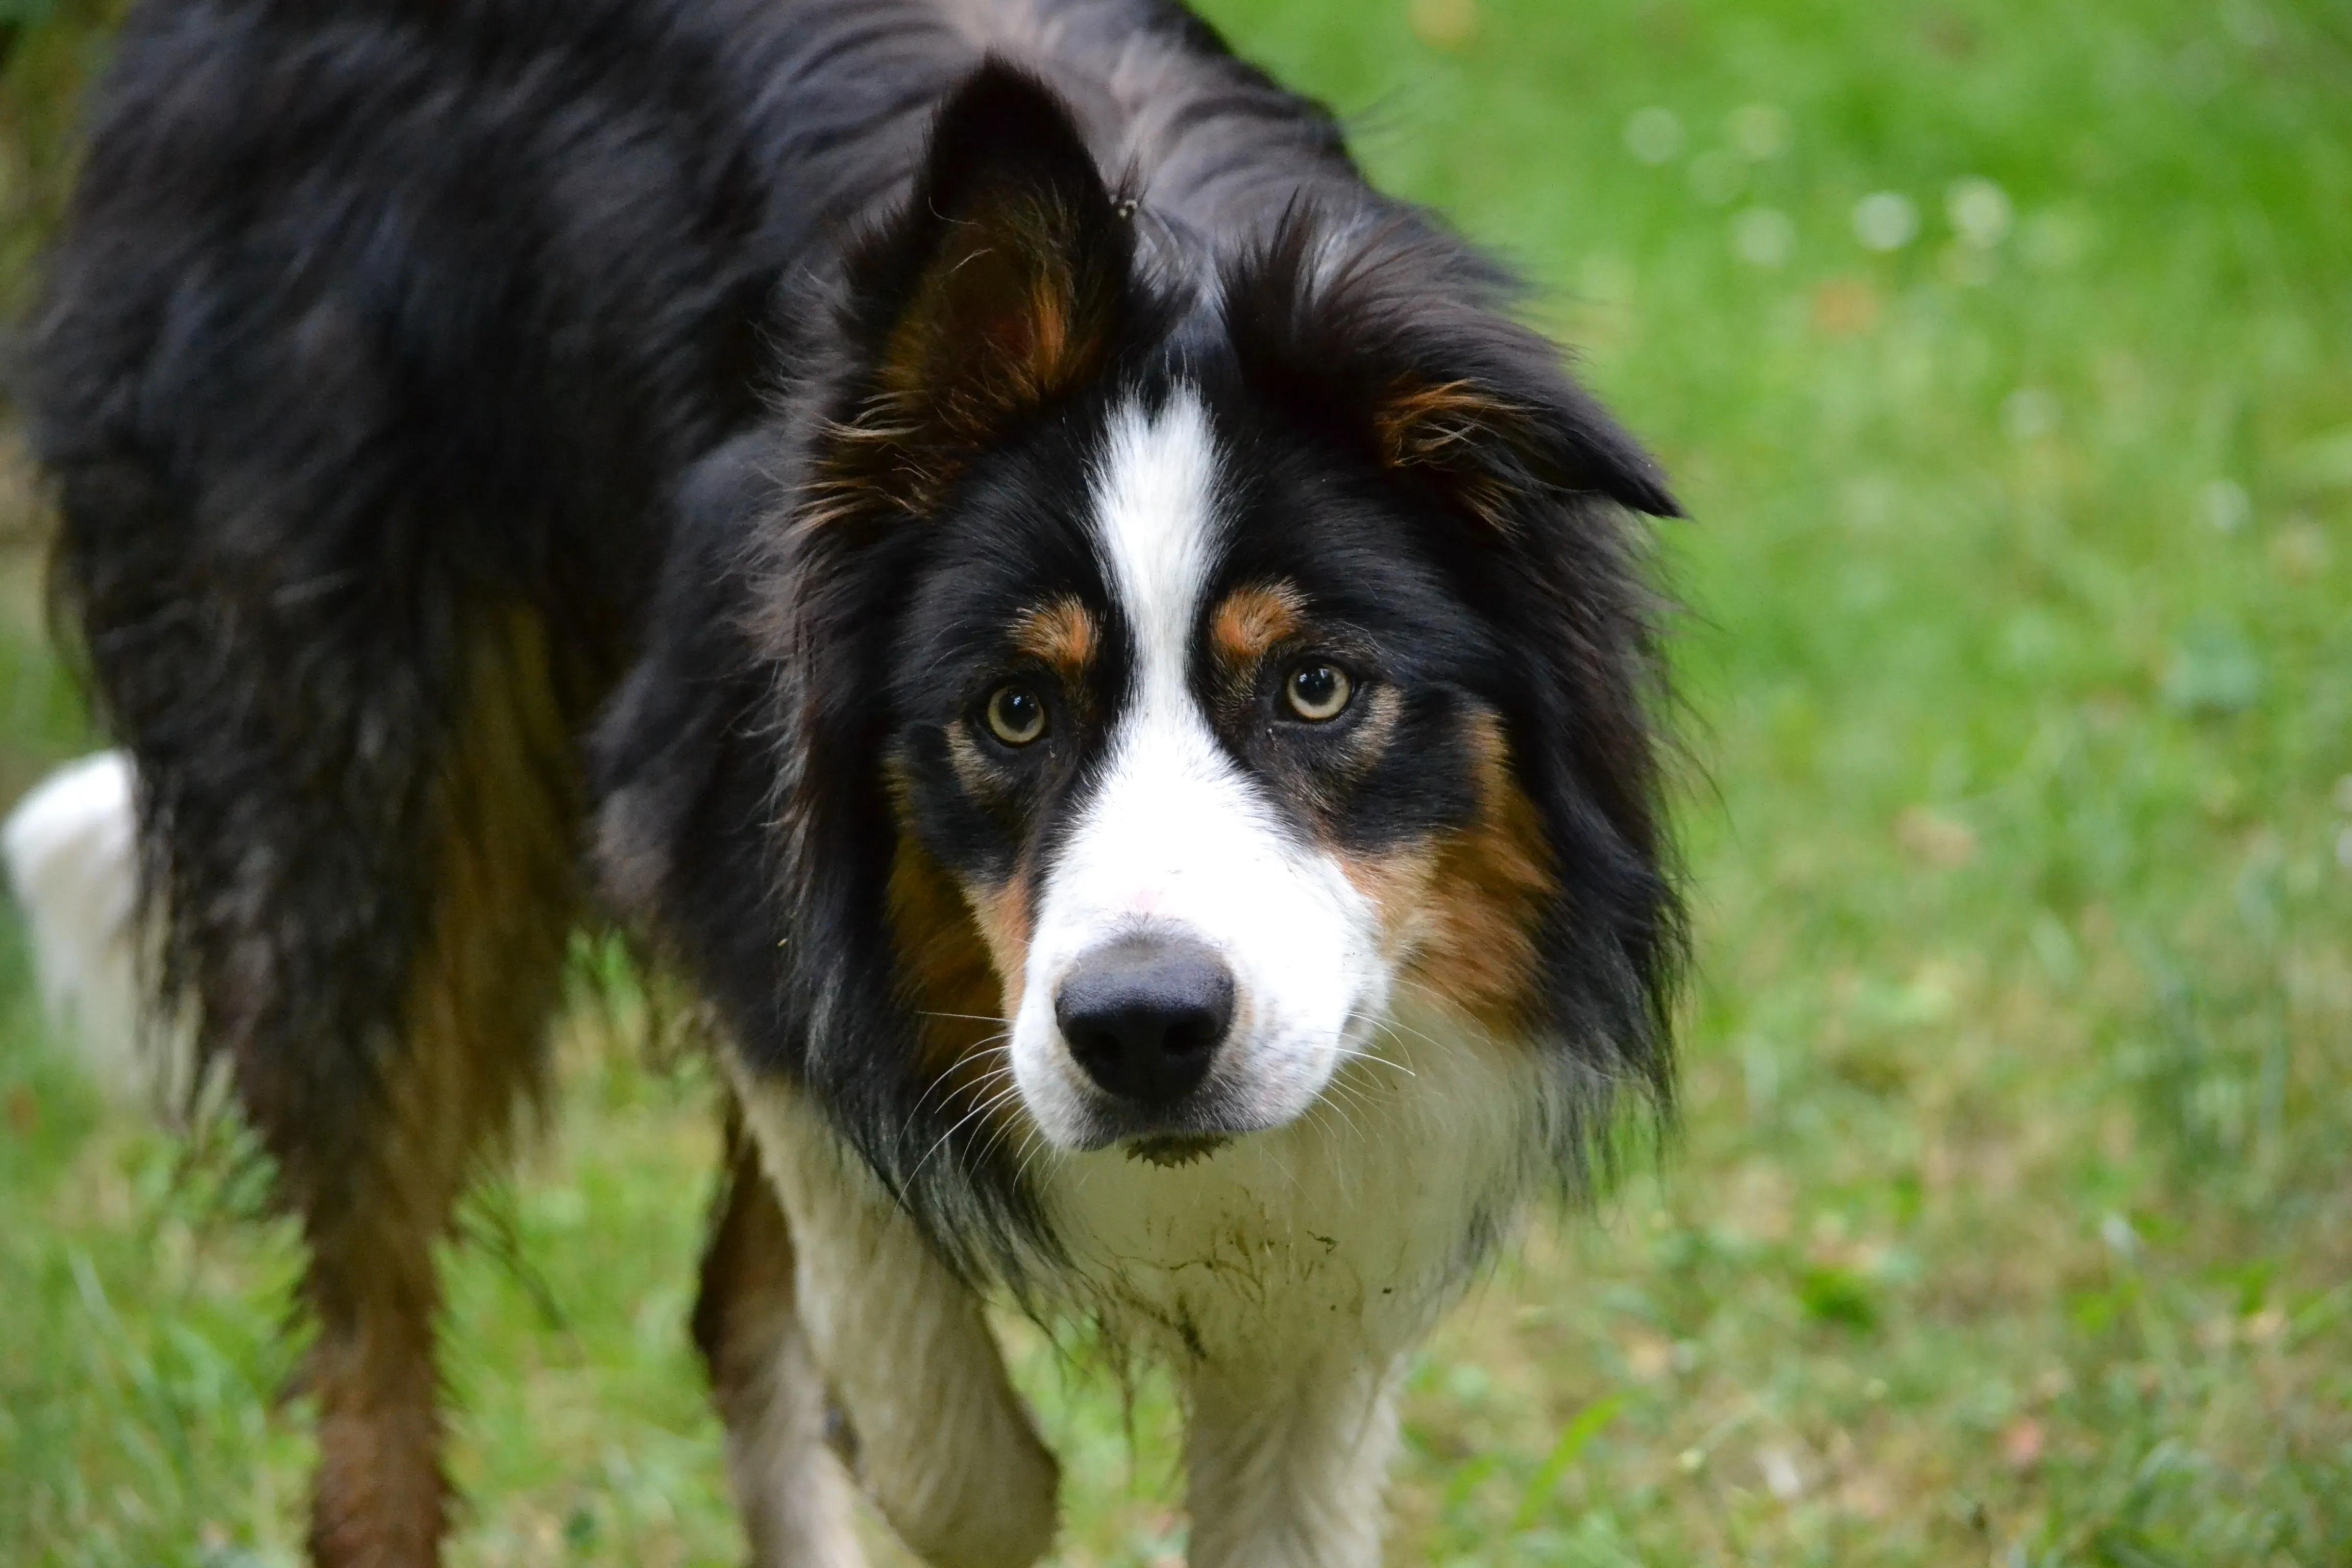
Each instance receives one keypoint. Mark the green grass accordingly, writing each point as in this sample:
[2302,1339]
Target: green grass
[2011,1220]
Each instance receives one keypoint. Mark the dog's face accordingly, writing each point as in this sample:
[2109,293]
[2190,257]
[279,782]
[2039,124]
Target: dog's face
[1179,672]
[1197,739]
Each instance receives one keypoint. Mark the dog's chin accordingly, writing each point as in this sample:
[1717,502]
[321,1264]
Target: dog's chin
[1176,1135]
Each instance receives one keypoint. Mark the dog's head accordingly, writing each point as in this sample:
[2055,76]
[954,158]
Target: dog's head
[1178,668]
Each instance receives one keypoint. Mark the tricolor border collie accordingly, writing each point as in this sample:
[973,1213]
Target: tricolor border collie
[1089,636]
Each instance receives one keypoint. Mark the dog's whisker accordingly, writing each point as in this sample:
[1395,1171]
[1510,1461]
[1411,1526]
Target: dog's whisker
[952,1080]
[993,1074]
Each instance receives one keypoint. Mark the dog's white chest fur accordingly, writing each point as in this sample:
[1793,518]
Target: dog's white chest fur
[1284,1275]
[1355,1223]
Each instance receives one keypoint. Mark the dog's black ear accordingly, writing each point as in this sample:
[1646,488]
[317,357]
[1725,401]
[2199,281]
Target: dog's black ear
[1002,282]
[1493,448]
[1392,343]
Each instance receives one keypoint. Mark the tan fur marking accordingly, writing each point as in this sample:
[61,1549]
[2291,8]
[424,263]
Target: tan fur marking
[484,984]
[995,325]
[1002,321]
[1464,907]
[873,467]
[1004,921]
[962,959]
[1441,429]
[1428,424]
[1253,621]
[1061,634]
[972,769]
[1046,335]
[1397,885]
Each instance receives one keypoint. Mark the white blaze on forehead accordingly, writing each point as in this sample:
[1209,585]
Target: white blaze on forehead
[1176,835]
[1171,804]
[1156,518]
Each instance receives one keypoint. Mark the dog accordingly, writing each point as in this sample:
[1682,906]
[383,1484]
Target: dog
[1090,639]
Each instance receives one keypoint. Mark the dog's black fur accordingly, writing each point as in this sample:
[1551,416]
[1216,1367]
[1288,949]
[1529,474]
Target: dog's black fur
[355,323]
[415,377]
[778,690]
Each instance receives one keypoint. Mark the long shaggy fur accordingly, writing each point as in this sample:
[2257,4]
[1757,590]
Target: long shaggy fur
[523,460]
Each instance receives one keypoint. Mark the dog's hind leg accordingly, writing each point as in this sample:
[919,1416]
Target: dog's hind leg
[381,1049]
[791,1490]
[501,836]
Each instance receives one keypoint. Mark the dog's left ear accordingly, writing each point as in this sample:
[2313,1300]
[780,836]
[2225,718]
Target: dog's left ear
[1002,282]
[1490,448]
[1389,343]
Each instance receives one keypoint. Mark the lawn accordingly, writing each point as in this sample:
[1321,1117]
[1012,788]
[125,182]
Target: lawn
[2003,356]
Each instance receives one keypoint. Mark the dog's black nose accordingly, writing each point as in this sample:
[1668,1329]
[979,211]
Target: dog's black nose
[1143,1016]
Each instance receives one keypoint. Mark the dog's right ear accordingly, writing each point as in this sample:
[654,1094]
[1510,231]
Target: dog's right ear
[1005,281]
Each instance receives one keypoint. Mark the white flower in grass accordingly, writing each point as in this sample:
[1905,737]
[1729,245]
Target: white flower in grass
[1763,236]
[1759,131]
[1885,220]
[1979,212]
[1653,135]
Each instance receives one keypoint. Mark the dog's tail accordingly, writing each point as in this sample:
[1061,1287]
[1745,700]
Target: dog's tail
[72,853]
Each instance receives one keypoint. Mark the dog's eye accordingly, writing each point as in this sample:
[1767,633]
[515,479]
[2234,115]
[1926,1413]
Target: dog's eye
[1017,715]
[1317,691]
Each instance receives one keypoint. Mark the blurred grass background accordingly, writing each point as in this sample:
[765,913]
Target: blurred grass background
[2001,351]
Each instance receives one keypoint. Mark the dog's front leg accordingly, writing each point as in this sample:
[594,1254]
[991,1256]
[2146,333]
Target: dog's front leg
[792,1494]
[1285,1466]
[944,1445]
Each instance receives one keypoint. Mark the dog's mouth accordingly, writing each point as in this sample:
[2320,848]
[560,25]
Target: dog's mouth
[1171,1150]
[1170,1135]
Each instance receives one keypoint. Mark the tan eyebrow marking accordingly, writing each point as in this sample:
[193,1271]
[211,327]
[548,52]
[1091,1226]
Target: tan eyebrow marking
[1255,619]
[1062,633]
